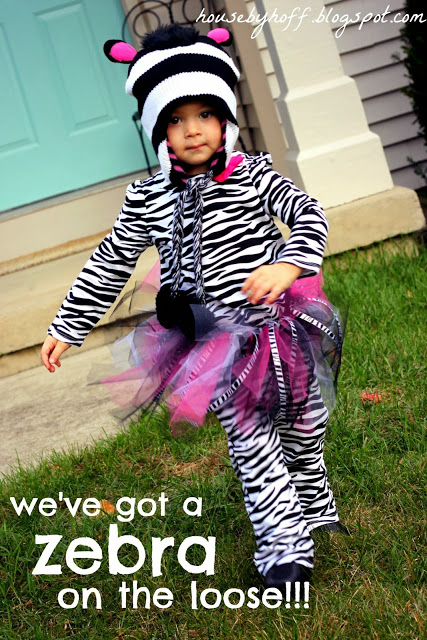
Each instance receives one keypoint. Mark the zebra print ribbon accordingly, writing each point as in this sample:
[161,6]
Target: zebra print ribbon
[277,368]
[193,188]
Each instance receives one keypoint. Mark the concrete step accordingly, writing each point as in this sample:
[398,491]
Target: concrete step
[31,298]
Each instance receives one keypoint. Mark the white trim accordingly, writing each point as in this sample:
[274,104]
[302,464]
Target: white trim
[231,135]
[164,159]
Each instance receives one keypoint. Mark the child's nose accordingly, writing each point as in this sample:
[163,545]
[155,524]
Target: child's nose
[193,127]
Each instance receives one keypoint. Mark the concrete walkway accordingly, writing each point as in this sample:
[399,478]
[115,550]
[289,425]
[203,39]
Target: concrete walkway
[41,411]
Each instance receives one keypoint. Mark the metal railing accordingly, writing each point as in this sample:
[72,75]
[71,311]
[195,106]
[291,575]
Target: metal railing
[174,11]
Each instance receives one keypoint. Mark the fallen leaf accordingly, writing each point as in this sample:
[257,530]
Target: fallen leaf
[371,397]
[409,294]
[107,507]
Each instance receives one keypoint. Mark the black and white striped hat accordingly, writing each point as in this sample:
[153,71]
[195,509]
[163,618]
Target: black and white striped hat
[174,64]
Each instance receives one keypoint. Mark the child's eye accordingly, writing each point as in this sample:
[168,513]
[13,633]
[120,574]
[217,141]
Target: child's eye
[206,114]
[173,120]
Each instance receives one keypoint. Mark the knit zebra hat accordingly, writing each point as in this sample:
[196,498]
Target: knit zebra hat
[177,63]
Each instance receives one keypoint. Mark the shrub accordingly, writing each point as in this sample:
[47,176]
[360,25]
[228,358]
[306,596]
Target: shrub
[415,48]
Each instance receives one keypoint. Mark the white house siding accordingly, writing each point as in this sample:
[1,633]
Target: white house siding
[367,56]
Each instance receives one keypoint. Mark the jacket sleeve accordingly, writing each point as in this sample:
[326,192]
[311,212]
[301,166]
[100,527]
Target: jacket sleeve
[301,213]
[105,273]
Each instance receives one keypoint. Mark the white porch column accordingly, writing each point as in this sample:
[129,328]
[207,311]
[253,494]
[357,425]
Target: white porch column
[332,154]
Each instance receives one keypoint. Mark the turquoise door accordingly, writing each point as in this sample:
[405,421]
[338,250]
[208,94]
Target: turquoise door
[65,120]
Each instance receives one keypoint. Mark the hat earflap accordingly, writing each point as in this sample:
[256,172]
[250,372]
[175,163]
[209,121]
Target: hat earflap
[119,51]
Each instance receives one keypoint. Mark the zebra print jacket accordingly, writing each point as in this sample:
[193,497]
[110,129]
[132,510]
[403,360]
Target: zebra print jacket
[239,235]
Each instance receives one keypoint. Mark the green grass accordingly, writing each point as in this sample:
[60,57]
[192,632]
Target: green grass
[369,585]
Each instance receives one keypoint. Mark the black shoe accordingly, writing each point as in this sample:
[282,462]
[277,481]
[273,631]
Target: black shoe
[333,527]
[292,572]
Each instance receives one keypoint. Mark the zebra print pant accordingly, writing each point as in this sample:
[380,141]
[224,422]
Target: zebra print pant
[284,481]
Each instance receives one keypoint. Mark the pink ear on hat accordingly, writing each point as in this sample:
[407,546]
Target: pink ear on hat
[221,35]
[119,51]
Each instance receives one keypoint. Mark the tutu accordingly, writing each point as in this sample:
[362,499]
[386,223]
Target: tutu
[259,363]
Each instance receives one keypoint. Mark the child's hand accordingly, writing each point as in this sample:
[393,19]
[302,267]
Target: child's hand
[270,279]
[52,350]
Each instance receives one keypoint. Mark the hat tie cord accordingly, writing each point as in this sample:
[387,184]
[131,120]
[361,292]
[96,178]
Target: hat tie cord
[193,188]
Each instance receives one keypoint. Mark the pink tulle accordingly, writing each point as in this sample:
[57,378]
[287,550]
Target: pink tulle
[233,361]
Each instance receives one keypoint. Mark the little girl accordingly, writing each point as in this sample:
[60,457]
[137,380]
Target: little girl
[235,331]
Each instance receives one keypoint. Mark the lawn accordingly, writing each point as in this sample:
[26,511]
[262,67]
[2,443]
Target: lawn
[368,585]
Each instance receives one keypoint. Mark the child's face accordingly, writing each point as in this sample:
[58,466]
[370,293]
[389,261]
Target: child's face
[194,133]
